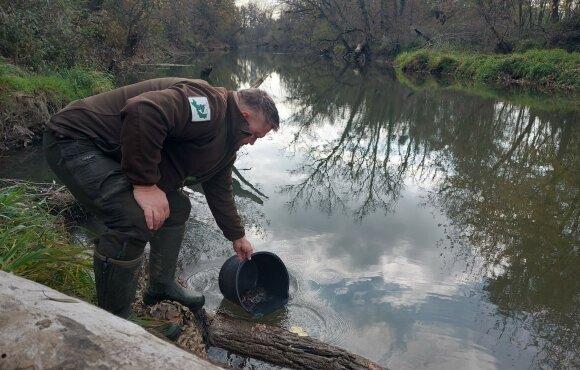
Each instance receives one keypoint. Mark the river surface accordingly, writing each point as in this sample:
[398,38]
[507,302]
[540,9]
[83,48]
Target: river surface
[423,228]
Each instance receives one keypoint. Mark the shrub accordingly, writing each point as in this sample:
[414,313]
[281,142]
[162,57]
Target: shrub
[416,61]
[11,70]
[87,81]
[541,71]
[339,50]
[445,65]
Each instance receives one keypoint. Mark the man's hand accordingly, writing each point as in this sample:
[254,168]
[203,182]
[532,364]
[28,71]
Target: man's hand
[243,248]
[154,203]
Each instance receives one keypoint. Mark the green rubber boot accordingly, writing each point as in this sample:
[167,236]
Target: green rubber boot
[165,246]
[116,283]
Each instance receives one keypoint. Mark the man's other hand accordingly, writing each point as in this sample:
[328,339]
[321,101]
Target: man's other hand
[243,248]
[154,203]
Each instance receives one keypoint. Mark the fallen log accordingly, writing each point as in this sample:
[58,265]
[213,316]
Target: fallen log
[281,347]
[268,343]
[44,329]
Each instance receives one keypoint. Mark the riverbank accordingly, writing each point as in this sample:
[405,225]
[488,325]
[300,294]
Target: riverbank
[545,69]
[532,97]
[35,244]
[28,100]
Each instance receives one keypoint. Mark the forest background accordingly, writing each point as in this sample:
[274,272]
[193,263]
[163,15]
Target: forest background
[55,51]
[107,34]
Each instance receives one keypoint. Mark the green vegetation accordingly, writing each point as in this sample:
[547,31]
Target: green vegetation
[384,28]
[542,68]
[27,100]
[113,35]
[107,34]
[34,245]
[529,97]
[62,86]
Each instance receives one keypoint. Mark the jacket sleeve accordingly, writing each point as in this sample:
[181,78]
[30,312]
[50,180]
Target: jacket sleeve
[220,198]
[147,121]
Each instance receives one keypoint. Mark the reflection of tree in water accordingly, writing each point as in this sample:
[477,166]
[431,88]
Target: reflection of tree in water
[512,191]
[227,70]
[363,164]
[204,239]
[506,176]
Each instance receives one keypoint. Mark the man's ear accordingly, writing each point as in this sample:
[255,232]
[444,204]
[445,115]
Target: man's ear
[246,114]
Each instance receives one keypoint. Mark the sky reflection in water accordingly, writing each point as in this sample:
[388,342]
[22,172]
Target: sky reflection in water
[405,306]
[422,228]
[398,282]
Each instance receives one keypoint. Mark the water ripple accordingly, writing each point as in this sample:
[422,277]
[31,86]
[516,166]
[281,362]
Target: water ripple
[304,309]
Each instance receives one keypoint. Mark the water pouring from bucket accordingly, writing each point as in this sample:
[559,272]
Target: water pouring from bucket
[260,285]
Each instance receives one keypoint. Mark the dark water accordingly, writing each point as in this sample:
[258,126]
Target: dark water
[422,228]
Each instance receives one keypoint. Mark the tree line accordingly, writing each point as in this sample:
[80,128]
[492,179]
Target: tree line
[104,33]
[389,26]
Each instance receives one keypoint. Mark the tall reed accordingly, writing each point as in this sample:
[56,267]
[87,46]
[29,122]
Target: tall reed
[35,244]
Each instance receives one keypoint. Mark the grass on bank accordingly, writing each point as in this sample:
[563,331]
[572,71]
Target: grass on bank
[62,86]
[28,100]
[34,244]
[548,101]
[552,69]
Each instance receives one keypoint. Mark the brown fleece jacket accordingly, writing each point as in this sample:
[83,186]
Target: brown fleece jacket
[164,130]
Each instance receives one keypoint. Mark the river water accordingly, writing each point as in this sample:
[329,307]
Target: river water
[422,227]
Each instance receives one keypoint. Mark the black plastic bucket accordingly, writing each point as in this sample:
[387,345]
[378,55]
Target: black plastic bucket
[259,286]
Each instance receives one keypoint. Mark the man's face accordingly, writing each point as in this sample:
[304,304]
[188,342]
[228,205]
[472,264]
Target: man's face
[257,125]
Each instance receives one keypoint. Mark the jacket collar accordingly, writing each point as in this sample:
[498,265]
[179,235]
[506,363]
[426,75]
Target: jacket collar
[238,127]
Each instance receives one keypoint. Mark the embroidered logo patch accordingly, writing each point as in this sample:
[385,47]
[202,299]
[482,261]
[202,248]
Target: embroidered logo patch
[199,107]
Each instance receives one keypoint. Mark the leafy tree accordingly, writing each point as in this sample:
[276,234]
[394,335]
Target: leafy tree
[258,26]
[40,33]
[387,26]
[105,33]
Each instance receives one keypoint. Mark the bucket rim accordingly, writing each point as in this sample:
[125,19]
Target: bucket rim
[239,269]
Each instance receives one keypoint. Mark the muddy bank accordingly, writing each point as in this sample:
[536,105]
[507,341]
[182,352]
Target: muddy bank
[23,117]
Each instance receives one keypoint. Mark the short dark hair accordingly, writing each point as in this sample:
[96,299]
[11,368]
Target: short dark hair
[259,100]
